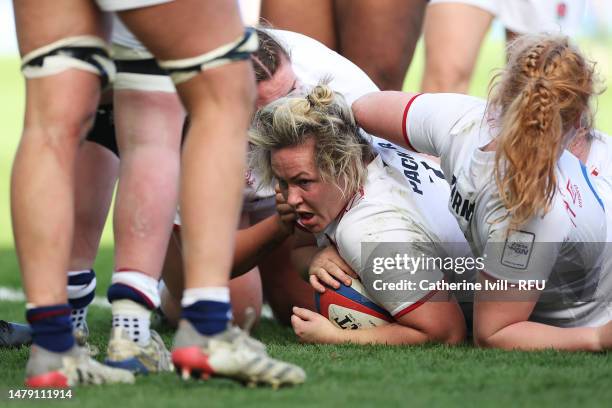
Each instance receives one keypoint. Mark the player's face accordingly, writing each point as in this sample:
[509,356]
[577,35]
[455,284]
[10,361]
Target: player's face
[316,202]
[281,84]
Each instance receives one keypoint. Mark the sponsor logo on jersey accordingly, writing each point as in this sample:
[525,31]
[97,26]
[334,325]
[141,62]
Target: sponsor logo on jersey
[574,192]
[575,198]
[518,248]
[463,207]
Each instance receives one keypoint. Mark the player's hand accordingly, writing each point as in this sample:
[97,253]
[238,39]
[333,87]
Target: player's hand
[328,267]
[286,213]
[311,327]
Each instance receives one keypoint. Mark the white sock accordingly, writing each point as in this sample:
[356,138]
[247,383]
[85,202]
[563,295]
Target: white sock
[215,294]
[133,318]
[78,317]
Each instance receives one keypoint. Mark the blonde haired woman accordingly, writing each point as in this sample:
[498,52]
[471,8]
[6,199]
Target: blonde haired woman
[521,200]
[346,194]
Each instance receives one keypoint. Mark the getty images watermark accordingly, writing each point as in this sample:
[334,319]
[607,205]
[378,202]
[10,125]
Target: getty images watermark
[419,265]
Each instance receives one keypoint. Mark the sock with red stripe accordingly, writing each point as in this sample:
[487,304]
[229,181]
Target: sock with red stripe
[51,327]
[133,295]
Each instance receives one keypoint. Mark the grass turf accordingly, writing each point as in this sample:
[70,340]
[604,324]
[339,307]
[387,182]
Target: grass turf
[351,375]
[338,375]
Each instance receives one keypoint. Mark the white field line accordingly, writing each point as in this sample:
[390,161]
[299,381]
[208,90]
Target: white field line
[16,295]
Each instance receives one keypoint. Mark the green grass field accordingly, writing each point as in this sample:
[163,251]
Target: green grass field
[338,375]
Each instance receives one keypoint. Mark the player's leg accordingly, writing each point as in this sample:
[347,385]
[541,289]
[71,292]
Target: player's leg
[62,91]
[453,35]
[96,173]
[149,125]
[380,36]
[314,18]
[220,101]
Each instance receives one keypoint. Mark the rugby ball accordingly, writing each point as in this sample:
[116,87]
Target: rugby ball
[349,307]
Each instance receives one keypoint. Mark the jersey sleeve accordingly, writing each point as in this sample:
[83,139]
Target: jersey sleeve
[367,239]
[429,120]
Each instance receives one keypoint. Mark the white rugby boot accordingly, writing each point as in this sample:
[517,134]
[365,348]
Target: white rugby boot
[231,353]
[123,352]
[74,367]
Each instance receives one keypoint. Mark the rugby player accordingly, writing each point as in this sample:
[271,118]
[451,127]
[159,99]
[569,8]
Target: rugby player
[519,197]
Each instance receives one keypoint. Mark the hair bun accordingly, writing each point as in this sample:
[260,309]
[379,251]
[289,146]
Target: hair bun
[321,96]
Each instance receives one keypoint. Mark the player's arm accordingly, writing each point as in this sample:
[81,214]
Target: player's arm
[415,327]
[257,241]
[319,266]
[501,320]
[381,114]
[413,310]
[423,123]
[501,316]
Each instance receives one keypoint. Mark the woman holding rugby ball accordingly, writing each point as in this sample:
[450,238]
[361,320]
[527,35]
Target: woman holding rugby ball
[522,201]
[344,193]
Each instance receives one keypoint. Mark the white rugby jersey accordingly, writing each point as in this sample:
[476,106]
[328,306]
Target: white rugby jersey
[563,247]
[391,208]
[532,16]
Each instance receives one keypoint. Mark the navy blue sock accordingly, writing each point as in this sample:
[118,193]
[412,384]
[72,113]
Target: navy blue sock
[81,288]
[81,292]
[51,327]
[207,316]
[118,291]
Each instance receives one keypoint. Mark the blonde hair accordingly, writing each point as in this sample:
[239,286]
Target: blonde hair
[341,153]
[541,94]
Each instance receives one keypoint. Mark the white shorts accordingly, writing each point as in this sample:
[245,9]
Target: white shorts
[124,37]
[532,16]
[119,5]
[490,6]
[138,80]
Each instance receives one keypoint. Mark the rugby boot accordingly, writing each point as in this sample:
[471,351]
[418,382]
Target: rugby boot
[231,353]
[71,368]
[81,336]
[124,353]
[14,334]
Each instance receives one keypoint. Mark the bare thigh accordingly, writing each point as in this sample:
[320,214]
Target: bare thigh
[42,22]
[314,18]
[197,27]
[380,36]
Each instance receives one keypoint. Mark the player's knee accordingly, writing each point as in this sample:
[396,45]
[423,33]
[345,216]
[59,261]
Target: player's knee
[447,77]
[227,92]
[389,76]
[60,128]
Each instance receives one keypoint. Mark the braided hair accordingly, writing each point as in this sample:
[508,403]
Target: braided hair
[543,93]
